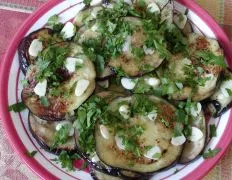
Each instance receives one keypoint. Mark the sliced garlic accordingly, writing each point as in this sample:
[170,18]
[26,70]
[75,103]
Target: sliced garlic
[104,131]
[179,140]
[119,143]
[36,46]
[196,135]
[153,153]
[148,51]
[68,30]
[71,63]
[40,88]
[128,83]
[152,115]
[152,81]
[81,87]
[153,8]
[124,110]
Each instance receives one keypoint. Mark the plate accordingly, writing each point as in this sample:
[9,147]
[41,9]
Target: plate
[15,124]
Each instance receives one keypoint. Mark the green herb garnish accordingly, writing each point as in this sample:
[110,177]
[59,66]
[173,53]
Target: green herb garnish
[18,107]
[66,160]
[211,153]
[44,101]
[31,154]
[208,57]
[213,130]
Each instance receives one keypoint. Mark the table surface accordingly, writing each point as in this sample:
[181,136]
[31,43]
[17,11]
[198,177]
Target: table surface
[12,15]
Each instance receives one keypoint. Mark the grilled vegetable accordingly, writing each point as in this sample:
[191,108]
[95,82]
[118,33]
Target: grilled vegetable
[56,101]
[152,150]
[192,148]
[134,61]
[86,15]
[220,101]
[44,35]
[98,175]
[45,134]
[195,76]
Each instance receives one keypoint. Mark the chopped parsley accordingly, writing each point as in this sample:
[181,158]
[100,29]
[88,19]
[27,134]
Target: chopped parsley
[130,138]
[66,159]
[208,57]
[211,153]
[31,154]
[44,101]
[165,122]
[18,107]
[54,23]
[62,135]
[213,130]
[48,63]
[24,82]
[87,115]
[229,91]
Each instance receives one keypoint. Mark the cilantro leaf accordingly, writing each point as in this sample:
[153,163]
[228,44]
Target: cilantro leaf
[62,135]
[44,101]
[66,160]
[18,107]
[31,154]
[211,153]
[87,2]
[213,130]
[53,23]
[87,115]
[229,91]
[210,58]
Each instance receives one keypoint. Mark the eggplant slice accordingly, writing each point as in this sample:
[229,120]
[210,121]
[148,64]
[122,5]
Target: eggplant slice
[155,134]
[127,61]
[60,106]
[175,70]
[86,15]
[191,149]
[221,100]
[45,35]
[44,132]
[98,175]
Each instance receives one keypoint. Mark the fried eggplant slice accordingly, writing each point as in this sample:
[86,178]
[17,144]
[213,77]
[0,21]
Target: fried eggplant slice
[68,95]
[156,137]
[130,61]
[192,149]
[44,35]
[220,101]
[44,132]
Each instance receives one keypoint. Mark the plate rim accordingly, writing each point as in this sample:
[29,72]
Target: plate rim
[11,133]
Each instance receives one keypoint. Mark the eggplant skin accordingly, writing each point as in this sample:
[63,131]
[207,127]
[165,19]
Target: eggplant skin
[24,58]
[44,131]
[98,175]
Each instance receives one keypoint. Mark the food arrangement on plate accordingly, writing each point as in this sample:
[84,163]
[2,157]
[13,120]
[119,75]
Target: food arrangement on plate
[126,86]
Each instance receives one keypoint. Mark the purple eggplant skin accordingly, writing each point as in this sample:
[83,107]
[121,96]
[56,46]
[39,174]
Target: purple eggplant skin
[43,144]
[24,58]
